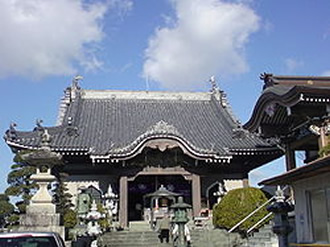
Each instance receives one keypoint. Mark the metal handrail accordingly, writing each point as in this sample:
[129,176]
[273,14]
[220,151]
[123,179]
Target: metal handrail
[264,218]
[254,211]
[259,222]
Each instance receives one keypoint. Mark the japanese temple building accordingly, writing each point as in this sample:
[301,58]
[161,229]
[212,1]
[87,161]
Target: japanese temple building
[295,110]
[136,141]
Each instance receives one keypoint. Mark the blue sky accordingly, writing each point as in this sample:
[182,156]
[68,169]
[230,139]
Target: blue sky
[156,45]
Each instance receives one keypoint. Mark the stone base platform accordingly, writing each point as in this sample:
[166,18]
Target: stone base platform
[41,220]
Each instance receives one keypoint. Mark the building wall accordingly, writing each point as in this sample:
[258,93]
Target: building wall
[232,184]
[302,205]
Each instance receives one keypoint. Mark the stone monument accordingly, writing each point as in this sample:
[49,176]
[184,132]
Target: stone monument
[41,212]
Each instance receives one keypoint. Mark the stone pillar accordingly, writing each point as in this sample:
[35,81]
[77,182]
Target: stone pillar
[290,158]
[123,200]
[196,194]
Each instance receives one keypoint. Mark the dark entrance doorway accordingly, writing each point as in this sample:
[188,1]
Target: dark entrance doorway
[146,184]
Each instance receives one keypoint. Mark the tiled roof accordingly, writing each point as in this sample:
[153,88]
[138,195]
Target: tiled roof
[283,92]
[117,123]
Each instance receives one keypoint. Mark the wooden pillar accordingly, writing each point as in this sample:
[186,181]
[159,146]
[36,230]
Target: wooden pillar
[196,194]
[290,159]
[123,200]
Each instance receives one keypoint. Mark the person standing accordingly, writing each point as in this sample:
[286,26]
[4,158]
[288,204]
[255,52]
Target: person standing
[164,229]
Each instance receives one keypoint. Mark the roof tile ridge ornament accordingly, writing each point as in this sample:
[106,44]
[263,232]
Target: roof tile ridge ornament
[218,94]
[11,133]
[268,80]
[39,126]
[75,88]
[221,97]
[70,93]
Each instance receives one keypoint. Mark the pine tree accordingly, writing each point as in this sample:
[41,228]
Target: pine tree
[62,198]
[6,209]
[20,184]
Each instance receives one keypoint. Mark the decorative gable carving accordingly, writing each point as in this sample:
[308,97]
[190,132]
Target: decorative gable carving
[162,127]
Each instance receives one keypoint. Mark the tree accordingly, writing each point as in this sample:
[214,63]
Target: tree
[62,198]
[20,184]
[64,206]
[103,222]
[6,209]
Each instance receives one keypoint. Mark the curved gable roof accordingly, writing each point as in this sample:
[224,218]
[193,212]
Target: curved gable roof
[283,92]
[109,124]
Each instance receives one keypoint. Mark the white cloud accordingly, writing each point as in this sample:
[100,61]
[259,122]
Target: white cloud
[46,37]
[292,64]
[206,38]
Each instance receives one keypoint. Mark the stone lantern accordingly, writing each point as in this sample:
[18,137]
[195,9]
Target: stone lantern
[159,212]
[41,212]
[180,218]
[281,227]
[93,227]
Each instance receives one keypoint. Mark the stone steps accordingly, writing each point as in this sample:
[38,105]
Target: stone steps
[139,226]
[128,238]
[140,234]
[263,238]
[214,238]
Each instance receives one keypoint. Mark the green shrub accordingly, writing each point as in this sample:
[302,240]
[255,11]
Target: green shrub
[104,223]
[236,205]
[70,218]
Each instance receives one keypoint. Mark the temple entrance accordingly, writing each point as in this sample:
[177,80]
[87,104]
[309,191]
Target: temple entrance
[139,204]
